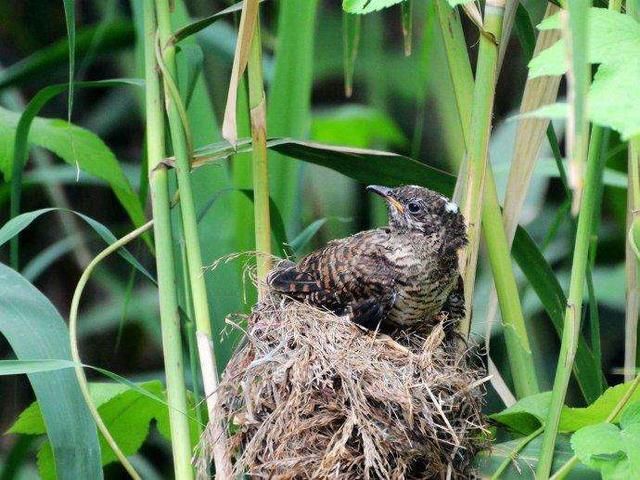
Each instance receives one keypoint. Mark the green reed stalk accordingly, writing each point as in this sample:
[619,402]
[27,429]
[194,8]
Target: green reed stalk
[479,130]
[571,332]
[160,202]
[631,260]
[258,114]
[181,146]
[476,137]
[520,356]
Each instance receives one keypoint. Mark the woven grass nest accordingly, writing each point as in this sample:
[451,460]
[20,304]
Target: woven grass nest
[311,395]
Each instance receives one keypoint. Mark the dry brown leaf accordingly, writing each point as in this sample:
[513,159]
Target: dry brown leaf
[240,59]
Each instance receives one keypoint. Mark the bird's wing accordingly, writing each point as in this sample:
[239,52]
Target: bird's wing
[348,274]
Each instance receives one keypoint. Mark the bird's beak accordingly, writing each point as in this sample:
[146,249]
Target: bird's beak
[385,192]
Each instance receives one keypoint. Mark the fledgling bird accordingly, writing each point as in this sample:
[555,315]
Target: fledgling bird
[400,275]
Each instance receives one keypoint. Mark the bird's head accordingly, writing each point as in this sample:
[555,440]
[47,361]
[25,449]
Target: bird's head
[413,208]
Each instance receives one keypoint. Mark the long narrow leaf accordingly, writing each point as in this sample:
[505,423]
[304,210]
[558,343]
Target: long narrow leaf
[35,331]
[106,168]
[14,226]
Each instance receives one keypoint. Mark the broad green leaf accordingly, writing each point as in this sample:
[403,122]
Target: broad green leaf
[35,331]
[573,419]
[614,451]
[362,165]
[367,6]
[526,415]
[522,467]
[356,126]
[530,412]
[613,40]
[455,3]
[126,411]
[187,79]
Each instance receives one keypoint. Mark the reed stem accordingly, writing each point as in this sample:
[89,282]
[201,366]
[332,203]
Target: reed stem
[167,288]
[571,332]
[181,149]
[258,115]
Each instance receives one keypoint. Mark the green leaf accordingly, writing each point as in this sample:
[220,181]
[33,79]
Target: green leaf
[35,331]
[282,248]
[455,3]
[14,226]
[613,41]
[307,234]
[367,6]
[523,466]
[75,145]
[70,20]
[526,415]
[351,27]
[356,126]
[573,419]
[194,27]
[614,451]
[289,99]
[127,410]
[545,283]
[20,367]
[529,413]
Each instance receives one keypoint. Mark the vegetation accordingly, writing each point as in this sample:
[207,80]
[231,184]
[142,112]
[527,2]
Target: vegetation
[196,139]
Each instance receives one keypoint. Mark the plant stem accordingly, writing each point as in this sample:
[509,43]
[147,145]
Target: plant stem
[521,360]
[258,113]
[477,146]
[75,353]
[160,202]
[512,456]
[631,262]
[519,352]
[180,138]
[571,332]
[567,467]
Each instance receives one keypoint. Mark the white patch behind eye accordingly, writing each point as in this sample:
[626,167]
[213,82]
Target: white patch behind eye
[451,207]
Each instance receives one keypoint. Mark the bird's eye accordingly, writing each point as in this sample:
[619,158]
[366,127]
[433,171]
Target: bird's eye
[413,207]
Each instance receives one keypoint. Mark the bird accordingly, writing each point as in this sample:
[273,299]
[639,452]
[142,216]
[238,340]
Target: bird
[398,275]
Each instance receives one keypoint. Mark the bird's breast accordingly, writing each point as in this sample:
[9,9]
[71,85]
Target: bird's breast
[421,287]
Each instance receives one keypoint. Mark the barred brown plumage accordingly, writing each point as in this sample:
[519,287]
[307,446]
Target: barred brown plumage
[401,274]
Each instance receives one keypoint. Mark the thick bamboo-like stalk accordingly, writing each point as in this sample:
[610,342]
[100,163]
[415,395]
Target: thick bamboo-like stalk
[571,332]
[515,331]
[182,153]
[631,263]
[258,113]
[160,201]
[477,146]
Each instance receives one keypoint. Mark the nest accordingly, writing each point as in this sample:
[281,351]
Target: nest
[312,395]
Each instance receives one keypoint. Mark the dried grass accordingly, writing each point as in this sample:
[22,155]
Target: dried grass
[311,395]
